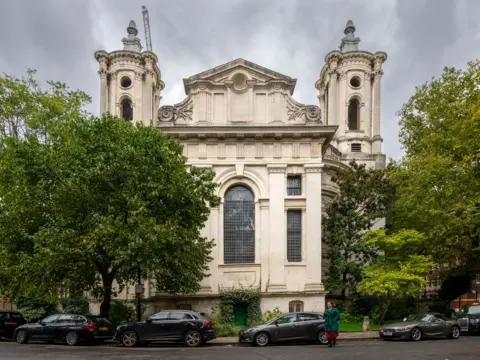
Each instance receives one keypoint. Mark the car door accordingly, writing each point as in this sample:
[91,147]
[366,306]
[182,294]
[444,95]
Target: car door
[154,328]
[177,325]
[44,329]
[436,326]
[285,328]
[307,325]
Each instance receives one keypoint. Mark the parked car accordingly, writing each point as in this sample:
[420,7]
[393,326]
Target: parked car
[9,321]
[421,326]
[186,326]
[469,319]
[303,326]
[70,328]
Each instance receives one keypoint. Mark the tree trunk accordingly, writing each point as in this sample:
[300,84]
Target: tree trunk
[382,317]
[107,281]
[344,290]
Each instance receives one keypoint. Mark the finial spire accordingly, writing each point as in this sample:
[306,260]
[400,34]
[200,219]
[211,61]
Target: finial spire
[349,42]
[132,42]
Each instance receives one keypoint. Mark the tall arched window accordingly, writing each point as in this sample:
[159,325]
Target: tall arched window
[354,114]
[127,110]
[239,226]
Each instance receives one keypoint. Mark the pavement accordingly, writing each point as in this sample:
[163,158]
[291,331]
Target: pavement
[354,335]
[461,349]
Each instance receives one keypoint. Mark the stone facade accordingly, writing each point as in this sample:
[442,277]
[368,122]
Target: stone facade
[273,157]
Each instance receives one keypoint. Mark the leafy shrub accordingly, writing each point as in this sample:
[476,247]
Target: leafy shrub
[75,306]
[271,314]
[226,330]
[347,318]
[34,309]
[121,312]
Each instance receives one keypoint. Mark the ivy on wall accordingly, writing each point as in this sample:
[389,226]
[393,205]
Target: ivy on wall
[249,297]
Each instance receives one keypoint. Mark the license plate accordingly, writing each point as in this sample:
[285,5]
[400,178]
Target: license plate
[103,329]
[387,333]
[10,323]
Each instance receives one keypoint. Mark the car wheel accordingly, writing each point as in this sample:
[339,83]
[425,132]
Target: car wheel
[193,339]
[129,338]
[262,339]
[322,338]
[455,334]
[416,334]
[21,337]
[72,338]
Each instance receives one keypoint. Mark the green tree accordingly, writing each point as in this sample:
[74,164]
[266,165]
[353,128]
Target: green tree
[364,195]
[399,268]
[438,180]
[89,200]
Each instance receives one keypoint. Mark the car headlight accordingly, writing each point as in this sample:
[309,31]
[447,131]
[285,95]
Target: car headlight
[477,321]
[403,329]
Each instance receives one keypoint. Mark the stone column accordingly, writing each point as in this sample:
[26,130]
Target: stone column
[103,90]
[214,233]
[112,108]
[148,98]
[368,107]
[342,107]
[277,243]
[313,174]
[332,97]
[377,139]
[264,249]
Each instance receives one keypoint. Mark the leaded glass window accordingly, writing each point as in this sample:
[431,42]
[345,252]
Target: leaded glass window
[294,235]
[239,226]
[294,185]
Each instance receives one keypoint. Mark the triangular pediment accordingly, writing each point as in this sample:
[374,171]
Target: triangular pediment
[222,73]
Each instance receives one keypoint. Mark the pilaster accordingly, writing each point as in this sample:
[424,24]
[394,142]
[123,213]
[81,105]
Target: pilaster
[313,175]
[277,182]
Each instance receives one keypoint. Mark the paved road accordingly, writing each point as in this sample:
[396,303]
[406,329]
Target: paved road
[462,349]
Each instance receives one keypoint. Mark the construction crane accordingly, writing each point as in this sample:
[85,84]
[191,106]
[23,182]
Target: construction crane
[146,25]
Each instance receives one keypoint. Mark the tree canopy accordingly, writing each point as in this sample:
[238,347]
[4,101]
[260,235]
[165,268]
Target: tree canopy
[364,195]
[438,180]
[87,200]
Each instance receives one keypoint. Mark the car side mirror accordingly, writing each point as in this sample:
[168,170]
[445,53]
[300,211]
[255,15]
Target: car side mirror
[148,321]
[42,323]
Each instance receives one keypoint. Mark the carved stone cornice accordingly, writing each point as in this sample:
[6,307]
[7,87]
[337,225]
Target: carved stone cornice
[276,168]
[313,168]
[320,133]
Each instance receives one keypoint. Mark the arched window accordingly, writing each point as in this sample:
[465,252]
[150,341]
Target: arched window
[239,226]
[353,114]
[295,306]
[127,110]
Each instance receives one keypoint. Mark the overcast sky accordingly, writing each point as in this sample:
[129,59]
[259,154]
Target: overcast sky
[59,38]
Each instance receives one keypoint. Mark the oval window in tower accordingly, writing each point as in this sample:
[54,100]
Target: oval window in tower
[355,82]
[125,82]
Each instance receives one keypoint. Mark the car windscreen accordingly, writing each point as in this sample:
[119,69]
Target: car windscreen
[97,320]
[420,317]
[473,310]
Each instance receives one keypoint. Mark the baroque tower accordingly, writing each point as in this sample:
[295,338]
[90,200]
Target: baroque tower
[130,80]
[349,93]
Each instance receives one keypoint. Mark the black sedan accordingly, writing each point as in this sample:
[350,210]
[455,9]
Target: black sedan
[469,319]
[189,327]
[69,328]
[417,327]
[9,321]
[304,326]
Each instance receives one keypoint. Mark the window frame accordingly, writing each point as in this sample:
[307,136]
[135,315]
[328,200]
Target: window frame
[291,258]
[248,236]
[294,304]
[300,187]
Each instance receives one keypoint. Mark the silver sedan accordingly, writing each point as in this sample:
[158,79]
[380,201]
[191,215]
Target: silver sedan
[417,327]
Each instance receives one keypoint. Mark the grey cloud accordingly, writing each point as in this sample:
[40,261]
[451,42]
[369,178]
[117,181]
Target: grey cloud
[290,36]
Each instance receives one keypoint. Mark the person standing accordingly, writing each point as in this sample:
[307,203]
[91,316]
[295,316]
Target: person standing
[332,317]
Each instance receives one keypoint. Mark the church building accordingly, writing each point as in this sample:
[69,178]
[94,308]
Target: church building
[273,157]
